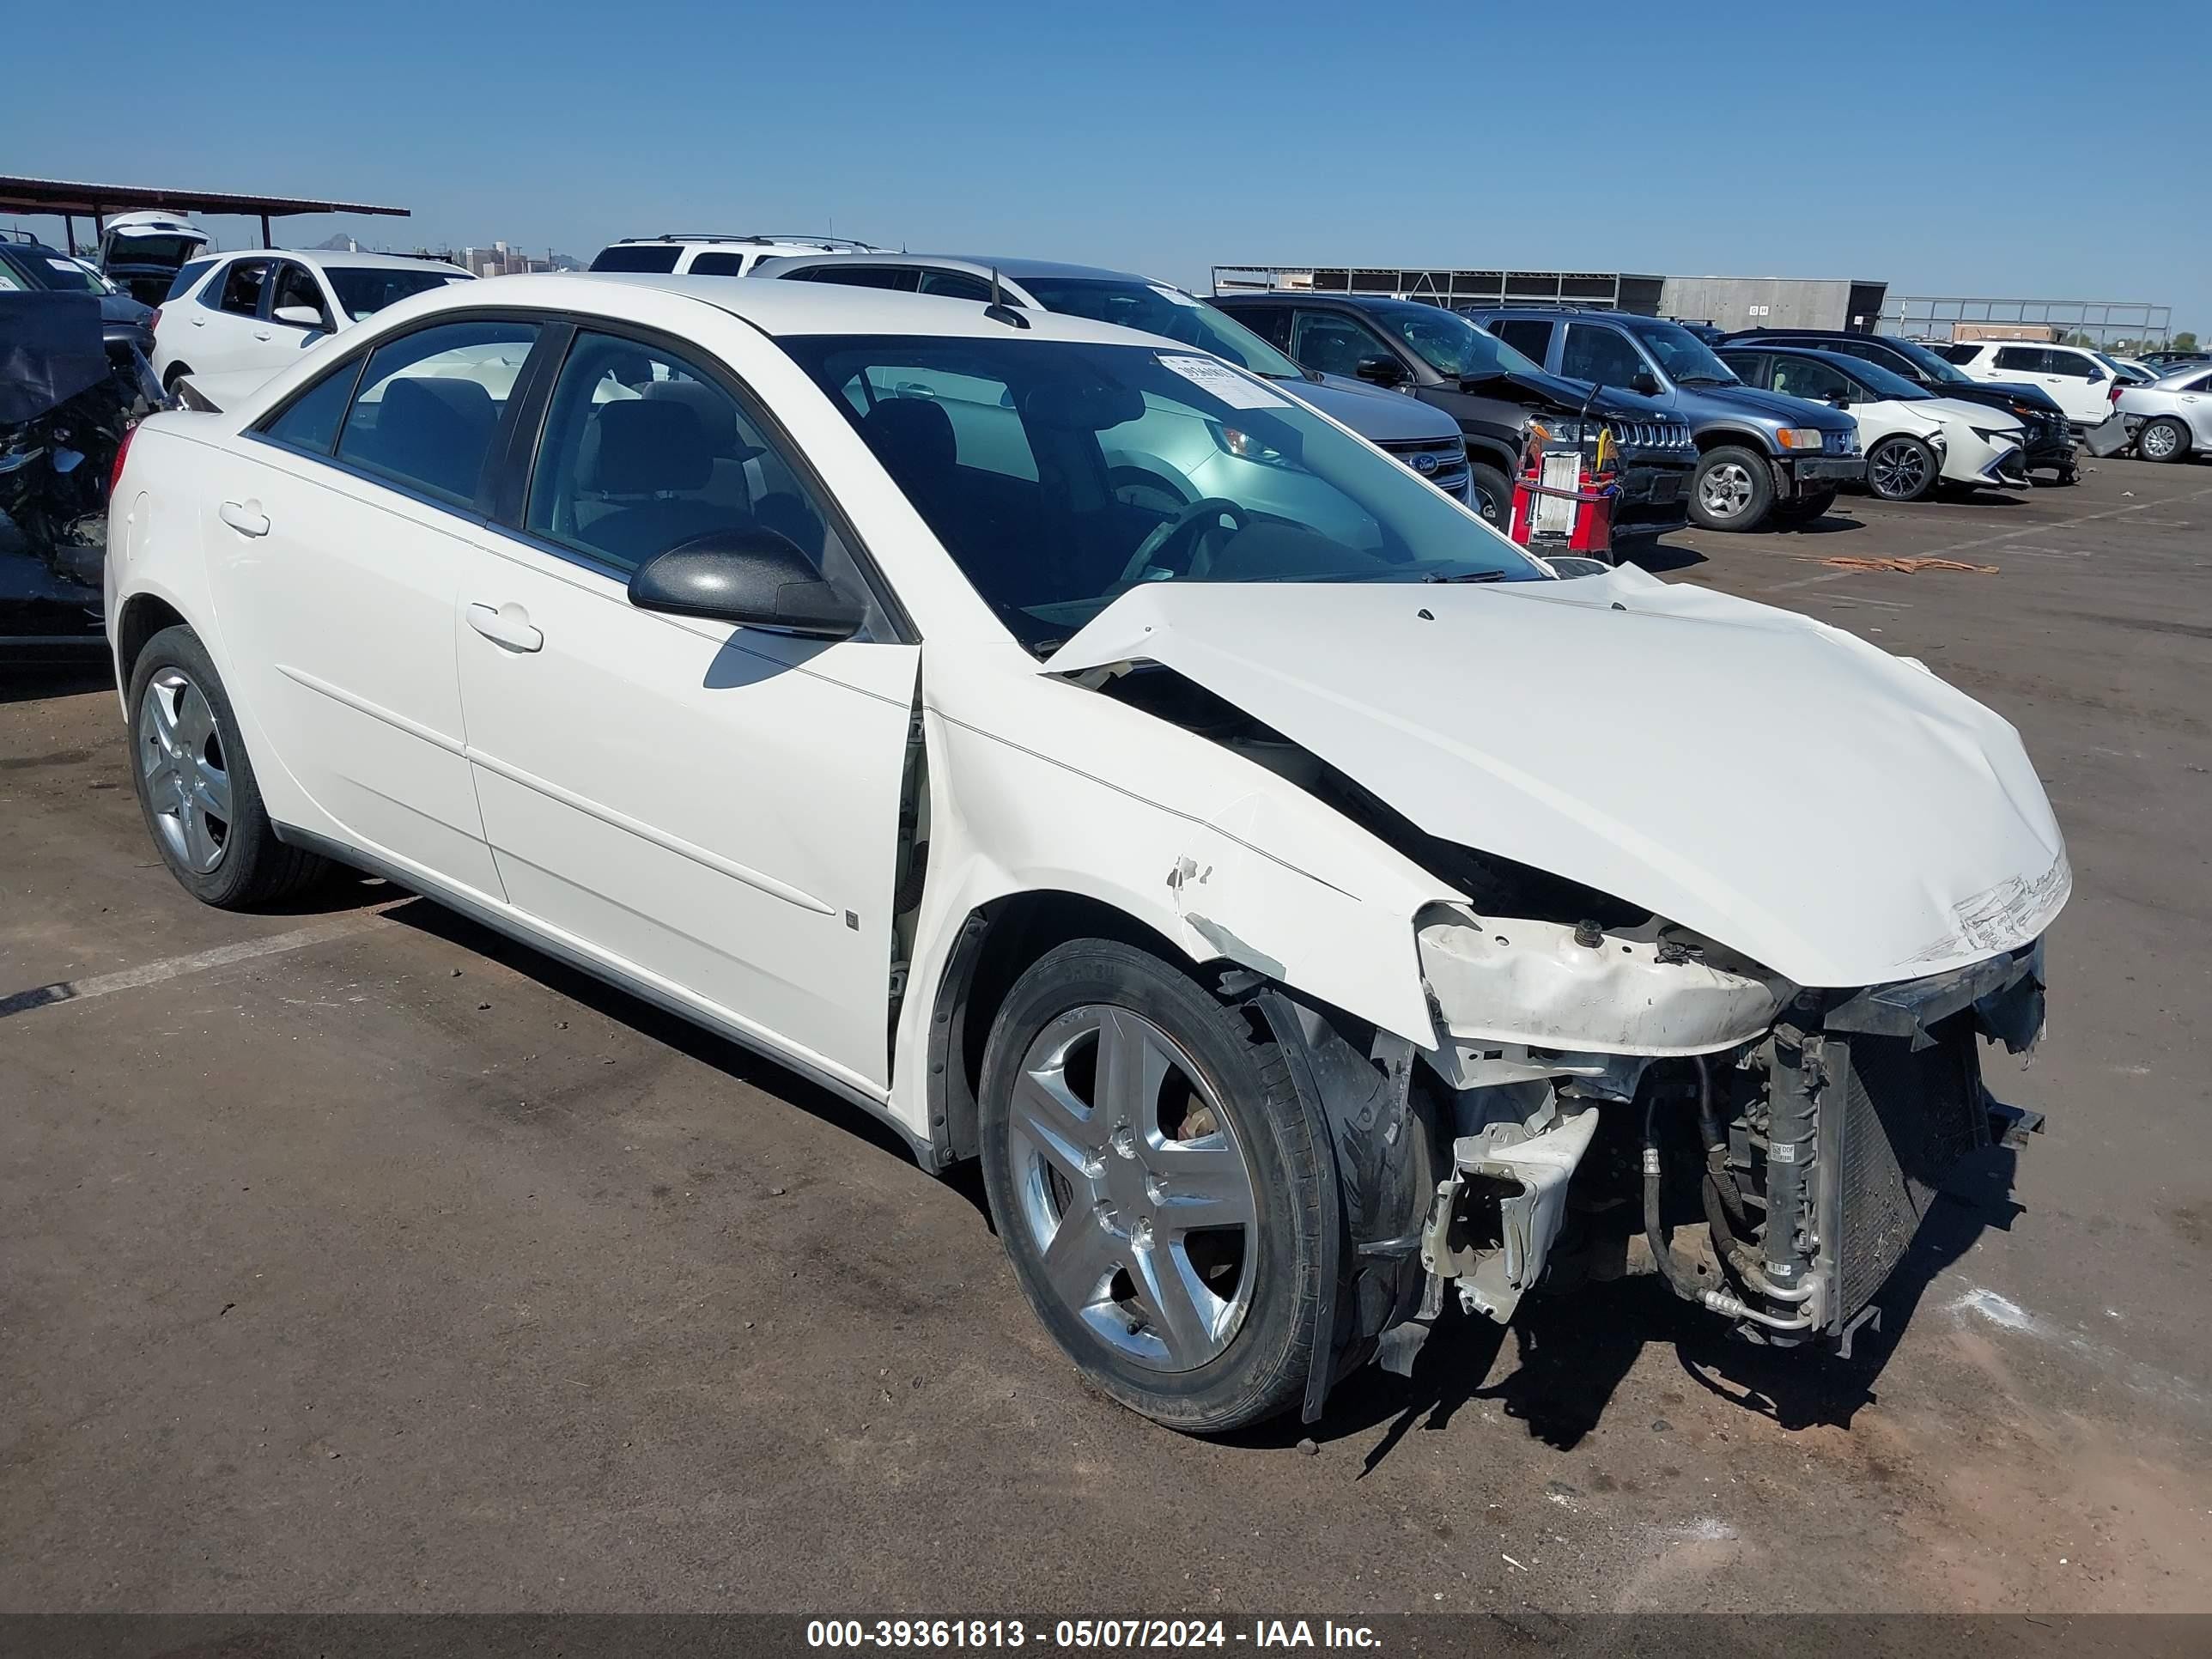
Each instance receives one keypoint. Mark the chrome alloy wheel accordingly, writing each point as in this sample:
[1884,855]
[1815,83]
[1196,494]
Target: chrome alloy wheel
[2159,441]
[1133,1189]
[1898,471]
[180,764]
[1726,490]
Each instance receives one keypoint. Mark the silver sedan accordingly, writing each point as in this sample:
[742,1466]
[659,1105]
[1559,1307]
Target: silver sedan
[2171,417]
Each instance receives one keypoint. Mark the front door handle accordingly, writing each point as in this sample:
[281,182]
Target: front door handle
[247,518]
[262,334]
[507,624]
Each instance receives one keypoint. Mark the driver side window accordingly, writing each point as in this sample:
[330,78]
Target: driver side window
[643,451]
[1334,343]
[1596,353]
[241,291]
[296,286]
[1807,377]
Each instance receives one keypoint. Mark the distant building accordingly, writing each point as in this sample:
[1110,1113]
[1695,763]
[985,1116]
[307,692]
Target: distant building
[1729,302]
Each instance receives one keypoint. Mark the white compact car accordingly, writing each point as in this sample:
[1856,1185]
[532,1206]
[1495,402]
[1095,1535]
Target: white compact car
[2081,385]
[248,314]
[1913,440]
[2171,417]
[1238,879]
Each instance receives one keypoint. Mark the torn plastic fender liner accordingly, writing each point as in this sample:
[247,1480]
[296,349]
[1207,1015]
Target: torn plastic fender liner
[1515,979]
[1375,1184]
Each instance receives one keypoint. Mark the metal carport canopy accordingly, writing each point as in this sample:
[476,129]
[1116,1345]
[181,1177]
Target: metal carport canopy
[73,200]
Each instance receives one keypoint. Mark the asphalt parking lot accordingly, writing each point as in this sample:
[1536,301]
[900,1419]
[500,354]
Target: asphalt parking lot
[353,1258]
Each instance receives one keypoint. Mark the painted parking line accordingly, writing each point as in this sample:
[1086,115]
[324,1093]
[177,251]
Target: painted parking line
[199,962]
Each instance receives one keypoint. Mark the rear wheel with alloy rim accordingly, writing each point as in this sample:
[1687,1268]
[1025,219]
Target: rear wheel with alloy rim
[1901,469]
[1732,490]
[2162,440]
[196,786]
[1154,1179]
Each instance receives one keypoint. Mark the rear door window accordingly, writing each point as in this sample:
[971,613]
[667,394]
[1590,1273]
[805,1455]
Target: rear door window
[716,263]
[1529,336]
[240,293]
[955,285]
[430,404]
[2026,360]
[899,278]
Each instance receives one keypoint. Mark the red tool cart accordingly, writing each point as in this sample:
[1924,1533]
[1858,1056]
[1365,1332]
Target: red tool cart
[1563,500]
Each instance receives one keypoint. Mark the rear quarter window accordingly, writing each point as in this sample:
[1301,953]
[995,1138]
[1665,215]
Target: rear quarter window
[659,259]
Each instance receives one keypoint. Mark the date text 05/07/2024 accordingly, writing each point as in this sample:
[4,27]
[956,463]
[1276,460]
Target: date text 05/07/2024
[1086,1634]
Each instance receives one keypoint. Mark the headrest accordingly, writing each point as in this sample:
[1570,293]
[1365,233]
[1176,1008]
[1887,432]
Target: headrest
[717,412]
[644,446]
[913,437]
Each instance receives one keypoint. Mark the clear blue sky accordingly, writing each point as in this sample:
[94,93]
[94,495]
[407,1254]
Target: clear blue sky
[2018,149]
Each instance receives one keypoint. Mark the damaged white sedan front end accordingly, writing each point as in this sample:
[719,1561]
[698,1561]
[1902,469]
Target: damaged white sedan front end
[1736,895]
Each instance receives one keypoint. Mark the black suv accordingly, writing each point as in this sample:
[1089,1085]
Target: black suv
[1496,394]
[124,322]
[2050,444]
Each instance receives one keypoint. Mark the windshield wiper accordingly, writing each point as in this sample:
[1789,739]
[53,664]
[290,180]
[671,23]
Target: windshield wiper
[1468,576]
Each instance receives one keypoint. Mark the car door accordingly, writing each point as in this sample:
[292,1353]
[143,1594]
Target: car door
[715,808]
[2083,385]
[2192,400]
[1337,342]
[227,318]
[291,285]
[1600,354]
[336,545]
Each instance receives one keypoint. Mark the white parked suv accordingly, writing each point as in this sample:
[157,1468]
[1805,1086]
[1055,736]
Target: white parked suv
[2083,384]
[712,256]
[1239,879]
[1913,440]
[236,316]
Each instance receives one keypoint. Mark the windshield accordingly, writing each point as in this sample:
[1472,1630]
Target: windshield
[1685,359]
[364,290]
[44,267]
[1935,368]
[1059,474]
[1450,344]
[1155,308]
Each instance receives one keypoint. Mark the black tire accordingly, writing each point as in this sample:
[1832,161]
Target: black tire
[1262,1369]
[1803,509]
[1902,469]
[1490,494]
[2173,432]
[252,867]
[1747,498]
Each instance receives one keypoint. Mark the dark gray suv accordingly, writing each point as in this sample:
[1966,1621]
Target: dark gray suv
[1761,455]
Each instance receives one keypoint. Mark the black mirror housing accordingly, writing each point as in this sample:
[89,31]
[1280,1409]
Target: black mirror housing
[752,576]
[1382,371]
[1645,382]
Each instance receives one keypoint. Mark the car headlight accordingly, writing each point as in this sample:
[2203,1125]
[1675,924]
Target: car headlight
[1235,441]
[1995,434]
[1564,432]
[1800,437]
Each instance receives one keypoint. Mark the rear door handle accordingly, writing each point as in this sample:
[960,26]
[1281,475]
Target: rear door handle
[507,624]
[247,518]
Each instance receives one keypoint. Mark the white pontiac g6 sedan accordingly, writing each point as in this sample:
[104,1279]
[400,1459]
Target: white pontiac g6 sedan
[1093,761]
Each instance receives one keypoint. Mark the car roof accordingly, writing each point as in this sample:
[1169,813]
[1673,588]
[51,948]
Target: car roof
[788,310]
[1013,268]
[716,237]
[325,257]
[1839,360]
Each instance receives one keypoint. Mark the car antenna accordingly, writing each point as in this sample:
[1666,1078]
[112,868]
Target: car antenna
[999,311]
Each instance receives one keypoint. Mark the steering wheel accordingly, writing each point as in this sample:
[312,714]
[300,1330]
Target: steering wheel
[1208,511]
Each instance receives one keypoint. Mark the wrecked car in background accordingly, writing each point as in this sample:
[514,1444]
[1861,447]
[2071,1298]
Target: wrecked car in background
[1274,892]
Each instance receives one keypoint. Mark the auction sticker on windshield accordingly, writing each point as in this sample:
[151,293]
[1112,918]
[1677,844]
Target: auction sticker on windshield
[1223,381]
[1174,296]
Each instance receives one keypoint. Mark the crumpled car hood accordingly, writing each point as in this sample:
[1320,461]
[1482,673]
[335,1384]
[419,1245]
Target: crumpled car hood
[1837,813]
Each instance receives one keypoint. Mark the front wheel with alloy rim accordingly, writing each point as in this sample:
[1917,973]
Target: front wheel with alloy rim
[1489,495]
[1901,469]
[2162,440]
[196,786]
[1732,490]
[1157,1184]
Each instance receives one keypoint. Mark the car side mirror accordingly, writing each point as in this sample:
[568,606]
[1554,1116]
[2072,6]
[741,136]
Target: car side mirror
[1840,399]
[1382,371]
[2095,375]
[299,316]
[1645,382]
[753,576]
